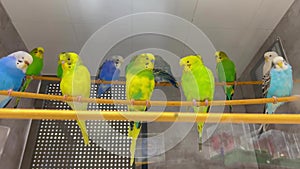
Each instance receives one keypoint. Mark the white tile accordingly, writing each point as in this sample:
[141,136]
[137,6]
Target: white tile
[37,10]
[179,8]
[98,11]
[226,14]
[271,12]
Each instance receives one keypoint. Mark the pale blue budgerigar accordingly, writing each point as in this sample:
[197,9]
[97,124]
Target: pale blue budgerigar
[281,85]
[109,71]
[12,73]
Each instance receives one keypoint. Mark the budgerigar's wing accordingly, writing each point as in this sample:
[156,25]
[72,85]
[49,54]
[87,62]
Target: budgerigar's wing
[163,76]
[59,71]
[107,72]
[5,84]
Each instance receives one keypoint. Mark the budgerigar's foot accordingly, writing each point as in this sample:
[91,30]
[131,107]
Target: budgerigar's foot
[79,98]
[206,102]
[147,103]
[275,100]
[235,83]
[65,97]
[131,101]
[195,102]
[9,92]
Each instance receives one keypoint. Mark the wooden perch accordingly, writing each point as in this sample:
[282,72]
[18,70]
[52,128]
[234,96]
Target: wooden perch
[149,116]
[152,103]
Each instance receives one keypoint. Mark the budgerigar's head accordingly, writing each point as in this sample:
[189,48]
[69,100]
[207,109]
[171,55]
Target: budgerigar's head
[279,63]
[220,56]
[190,62]
[146,60]
[23,60]
[118,60]
[38,52]
[269,56]
[69,60]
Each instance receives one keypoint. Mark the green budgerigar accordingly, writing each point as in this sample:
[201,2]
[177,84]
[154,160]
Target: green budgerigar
[226,73]
[139,86]
[198,84]
[34,69]
[76,82]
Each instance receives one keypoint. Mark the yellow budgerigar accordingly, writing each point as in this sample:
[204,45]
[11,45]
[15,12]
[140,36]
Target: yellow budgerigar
[198,84]
[139,86]
[76,82]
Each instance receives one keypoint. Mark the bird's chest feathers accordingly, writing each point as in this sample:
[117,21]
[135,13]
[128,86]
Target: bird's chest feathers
[140,86]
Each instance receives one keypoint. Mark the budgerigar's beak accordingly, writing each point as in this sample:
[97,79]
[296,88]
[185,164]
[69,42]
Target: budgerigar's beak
[26,62]
[181,63]
[280,64]
[266,59]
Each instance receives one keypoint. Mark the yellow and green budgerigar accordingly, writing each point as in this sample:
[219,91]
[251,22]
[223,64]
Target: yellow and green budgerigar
[198,84]
[76,82]
[226,73]
[34,69]
[139,87]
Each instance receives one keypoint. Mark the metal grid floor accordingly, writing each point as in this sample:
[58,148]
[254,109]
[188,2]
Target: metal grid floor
[59,144]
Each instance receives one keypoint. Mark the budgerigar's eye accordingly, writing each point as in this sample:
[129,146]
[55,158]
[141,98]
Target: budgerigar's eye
[69,58]
[188,61]
[147,58]
[270,55]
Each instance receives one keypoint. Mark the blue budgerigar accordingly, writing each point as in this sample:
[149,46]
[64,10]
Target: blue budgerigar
[281,85]
[12,73]
[109,71]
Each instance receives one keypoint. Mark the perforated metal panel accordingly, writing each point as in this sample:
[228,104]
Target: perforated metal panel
[59,144]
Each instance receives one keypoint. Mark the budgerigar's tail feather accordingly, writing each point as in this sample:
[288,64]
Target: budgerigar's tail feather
[263,128]
[102,88]
[82,126]
[164,76]
[23,88]
[201,109]
[133,132]
[229,93]
[200,130]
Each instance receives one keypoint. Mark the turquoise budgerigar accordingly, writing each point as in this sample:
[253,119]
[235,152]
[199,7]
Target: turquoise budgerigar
[139,87]
[198,84]
[281,85]
[76,82]
[34,68]
[12,73]
[226,73]
[109,71]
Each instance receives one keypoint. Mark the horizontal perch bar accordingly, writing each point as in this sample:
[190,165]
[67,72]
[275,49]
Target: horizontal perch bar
[49,78]
[152,103]
[150,116]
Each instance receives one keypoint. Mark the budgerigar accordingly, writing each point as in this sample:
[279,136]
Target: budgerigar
[109,71]
[198,84]
[34,68]
[281,85]
[76,82]
[139,86]
[163,76]
[226,73]
[12,73]
[268,56]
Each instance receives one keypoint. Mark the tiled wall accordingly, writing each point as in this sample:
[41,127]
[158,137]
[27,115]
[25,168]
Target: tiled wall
[10,41]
